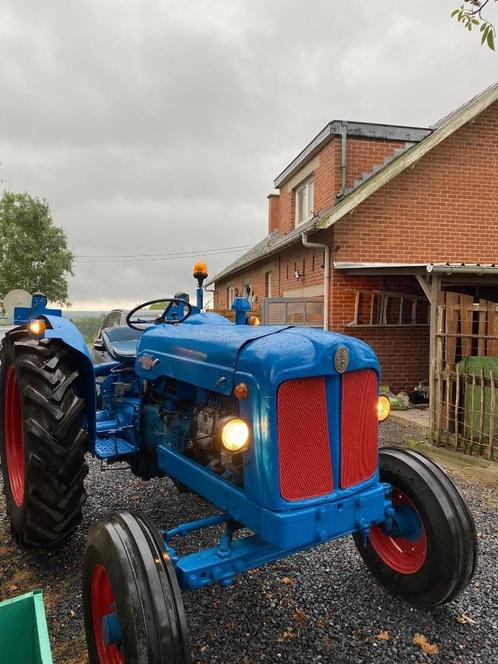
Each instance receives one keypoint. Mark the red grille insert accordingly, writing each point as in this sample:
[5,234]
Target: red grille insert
[359,426]
[303,439]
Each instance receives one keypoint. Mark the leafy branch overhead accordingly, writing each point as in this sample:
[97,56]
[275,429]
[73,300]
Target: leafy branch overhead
[470,15]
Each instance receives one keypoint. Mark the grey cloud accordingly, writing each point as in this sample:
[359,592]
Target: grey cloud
[154,126]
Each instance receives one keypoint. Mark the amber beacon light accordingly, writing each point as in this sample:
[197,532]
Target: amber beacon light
[200,271]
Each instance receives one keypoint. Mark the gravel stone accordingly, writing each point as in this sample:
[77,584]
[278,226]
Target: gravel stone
[318,606]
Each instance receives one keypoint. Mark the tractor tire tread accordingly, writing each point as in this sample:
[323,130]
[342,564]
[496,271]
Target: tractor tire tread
[55,440]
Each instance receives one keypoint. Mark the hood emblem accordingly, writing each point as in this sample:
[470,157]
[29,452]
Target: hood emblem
[147,362]
[341,359]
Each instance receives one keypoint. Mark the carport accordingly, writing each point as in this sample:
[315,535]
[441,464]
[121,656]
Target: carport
[461,347]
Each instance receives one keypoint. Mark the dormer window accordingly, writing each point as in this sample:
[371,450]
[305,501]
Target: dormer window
[304,201]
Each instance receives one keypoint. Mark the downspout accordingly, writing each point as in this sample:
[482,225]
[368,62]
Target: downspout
[344,160]
[326,275]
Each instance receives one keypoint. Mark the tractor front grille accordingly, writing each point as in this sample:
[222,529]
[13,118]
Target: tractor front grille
[359,426]
[303,439]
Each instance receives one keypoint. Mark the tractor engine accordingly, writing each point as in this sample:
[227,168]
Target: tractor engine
[188,420]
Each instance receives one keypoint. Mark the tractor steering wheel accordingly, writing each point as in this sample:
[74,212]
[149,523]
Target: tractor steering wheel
[135,322]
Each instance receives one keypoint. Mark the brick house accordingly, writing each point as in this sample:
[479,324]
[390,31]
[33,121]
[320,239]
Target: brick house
[362,218]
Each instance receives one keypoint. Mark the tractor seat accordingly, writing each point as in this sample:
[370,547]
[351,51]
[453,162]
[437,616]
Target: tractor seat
[121,342]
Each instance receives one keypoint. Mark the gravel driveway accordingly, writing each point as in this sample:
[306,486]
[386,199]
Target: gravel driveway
[317,606]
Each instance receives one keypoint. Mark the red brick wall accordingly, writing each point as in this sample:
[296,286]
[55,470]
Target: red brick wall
[327,176]
[365,153]
[273,212]
[309,262]
[403,353]
[445,208]
[362,155]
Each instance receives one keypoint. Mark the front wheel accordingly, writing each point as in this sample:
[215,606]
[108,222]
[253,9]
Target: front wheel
[132,604]
[427,552]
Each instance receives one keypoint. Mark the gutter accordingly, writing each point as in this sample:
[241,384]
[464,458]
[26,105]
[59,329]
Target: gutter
[326,275]
[462,269]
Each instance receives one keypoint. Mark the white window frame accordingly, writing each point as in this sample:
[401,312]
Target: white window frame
[268,282]
[231,296]
[308,190]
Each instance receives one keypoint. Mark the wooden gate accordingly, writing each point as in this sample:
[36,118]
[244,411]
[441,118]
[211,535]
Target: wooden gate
[465,375]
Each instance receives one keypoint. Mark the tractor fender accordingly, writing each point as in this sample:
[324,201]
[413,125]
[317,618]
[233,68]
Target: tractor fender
[67,332]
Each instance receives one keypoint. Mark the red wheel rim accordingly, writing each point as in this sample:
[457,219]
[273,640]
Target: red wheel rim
[13,436]
[103,603]
[403,555]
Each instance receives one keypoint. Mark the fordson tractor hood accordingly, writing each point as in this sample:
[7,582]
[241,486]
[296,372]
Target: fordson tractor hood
[209,354]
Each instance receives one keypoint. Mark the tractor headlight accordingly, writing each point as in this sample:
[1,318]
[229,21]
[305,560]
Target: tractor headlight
[37,328]
[383,407]
[234,434]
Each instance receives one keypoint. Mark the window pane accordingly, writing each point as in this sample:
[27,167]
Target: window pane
[311,197]
[301,194]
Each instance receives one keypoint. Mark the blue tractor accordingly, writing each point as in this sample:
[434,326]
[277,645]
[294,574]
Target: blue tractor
[276,426]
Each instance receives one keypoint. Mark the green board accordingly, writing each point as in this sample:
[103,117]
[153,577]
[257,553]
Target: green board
[473,365]
[23,630]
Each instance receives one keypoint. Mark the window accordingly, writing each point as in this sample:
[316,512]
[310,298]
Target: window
[304,202]
[268,284]
[230,296]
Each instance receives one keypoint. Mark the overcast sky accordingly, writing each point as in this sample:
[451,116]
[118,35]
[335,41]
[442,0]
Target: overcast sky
[156,127]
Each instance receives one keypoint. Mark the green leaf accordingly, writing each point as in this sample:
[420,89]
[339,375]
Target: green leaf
[475,21]
[484,35]
[455,12]
[491,39]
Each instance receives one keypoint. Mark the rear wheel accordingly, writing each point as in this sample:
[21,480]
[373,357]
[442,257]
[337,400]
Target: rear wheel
[132,604]
[427,552]
[42,440]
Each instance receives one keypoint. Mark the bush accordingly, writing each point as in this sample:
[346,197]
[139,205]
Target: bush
[89,326]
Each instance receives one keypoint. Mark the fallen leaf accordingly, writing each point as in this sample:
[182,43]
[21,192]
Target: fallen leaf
[465,619]
[383,636]
[13,587]
[288,634]
[300,617]
[320,623]
[286,581]
[421,641]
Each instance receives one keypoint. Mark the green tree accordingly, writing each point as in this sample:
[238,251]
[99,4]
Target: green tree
[33,251]
[88,326]
[472,16]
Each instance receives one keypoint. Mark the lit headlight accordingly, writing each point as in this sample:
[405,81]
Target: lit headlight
[234,434]
[383,407]
[37,328]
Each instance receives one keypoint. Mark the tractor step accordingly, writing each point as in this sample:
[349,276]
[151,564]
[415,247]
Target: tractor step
[110,448]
